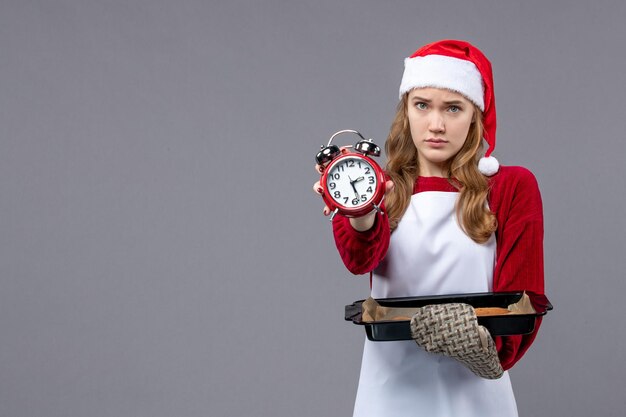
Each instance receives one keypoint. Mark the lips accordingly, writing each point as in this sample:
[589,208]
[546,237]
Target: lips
[436,143]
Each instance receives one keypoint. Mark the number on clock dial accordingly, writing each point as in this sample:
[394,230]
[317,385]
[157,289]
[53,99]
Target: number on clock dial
[352,182]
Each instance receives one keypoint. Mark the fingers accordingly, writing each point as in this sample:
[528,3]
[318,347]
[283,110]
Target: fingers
[389,185]
[317,188]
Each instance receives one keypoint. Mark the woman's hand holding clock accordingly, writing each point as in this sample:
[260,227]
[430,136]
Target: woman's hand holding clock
[361,223]
[347,196]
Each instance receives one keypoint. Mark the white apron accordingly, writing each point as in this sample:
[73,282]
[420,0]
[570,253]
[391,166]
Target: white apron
[429,255]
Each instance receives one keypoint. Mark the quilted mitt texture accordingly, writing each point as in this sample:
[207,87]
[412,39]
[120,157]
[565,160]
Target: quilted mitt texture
[453,330]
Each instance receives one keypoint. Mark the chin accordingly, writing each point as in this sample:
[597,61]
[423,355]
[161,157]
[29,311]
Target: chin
[437,159]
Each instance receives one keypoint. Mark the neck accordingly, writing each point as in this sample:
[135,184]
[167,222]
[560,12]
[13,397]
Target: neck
[432,170]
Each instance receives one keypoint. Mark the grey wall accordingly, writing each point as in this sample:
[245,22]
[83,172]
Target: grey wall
[161,251]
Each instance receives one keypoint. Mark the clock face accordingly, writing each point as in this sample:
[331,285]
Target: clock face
[351,182]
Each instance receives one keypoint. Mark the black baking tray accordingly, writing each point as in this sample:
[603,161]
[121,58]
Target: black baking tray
[504,325]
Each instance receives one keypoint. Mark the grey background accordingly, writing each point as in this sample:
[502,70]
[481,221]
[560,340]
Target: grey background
[161,251]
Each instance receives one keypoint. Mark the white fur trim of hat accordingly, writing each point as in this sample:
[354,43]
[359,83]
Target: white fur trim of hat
[441,71]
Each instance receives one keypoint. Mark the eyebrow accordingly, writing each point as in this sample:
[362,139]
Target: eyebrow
[430,101]
[421,99]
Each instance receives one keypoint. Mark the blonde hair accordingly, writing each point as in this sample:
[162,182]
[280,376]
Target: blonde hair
[473,215]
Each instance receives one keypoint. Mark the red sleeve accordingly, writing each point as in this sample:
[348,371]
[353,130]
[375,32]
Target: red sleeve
[361,252]
[516,200]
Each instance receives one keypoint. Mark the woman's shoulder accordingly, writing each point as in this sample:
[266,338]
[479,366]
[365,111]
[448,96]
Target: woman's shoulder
[508,176]
[513,184]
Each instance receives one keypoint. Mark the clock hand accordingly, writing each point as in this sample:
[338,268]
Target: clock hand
[359,179]
[353,187]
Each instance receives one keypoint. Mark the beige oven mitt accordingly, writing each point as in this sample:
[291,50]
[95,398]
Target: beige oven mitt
[453,330]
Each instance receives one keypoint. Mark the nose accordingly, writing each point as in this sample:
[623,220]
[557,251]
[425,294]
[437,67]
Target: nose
[436,123]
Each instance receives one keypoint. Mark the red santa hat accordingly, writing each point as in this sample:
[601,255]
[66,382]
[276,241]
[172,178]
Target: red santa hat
[458,66]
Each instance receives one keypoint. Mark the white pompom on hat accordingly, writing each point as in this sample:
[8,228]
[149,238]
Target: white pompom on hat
[458,66]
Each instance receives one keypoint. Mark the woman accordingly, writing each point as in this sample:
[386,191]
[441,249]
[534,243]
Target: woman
[454,222]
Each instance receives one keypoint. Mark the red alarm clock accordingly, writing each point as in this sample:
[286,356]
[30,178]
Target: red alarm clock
[352,183]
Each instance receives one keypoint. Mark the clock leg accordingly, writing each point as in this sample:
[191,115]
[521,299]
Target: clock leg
[378,209]
[332,216]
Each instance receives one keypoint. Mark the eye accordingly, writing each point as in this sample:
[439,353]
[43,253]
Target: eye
[454,109]
[421,105]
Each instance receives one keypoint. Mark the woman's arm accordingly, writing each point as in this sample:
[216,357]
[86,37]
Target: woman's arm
[516,200]
[362,242]
[362,251]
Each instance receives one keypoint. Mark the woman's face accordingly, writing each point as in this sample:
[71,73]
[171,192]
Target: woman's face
[439,120]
